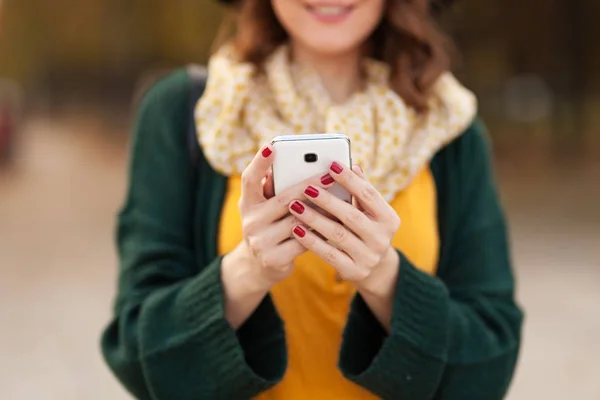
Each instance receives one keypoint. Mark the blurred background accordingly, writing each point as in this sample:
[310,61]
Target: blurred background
[69,72]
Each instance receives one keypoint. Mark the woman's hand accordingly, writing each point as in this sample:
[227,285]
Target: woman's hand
[359,245]
[267,253]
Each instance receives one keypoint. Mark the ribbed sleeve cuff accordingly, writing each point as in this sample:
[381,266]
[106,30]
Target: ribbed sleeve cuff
[421,310]
[243,364]
[262,338]
[413,352]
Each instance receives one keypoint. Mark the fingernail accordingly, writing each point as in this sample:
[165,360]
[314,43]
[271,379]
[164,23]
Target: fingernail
[299,231]
[266,152]
[359,168]
[311,191]
[337,168]
[297,207]
[327,179]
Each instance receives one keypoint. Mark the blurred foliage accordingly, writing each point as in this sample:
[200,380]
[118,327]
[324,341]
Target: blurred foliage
[507,47]
[110,37]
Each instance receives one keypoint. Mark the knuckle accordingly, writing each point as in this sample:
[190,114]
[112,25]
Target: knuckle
[265,260]
[392,217]
[330,256]
[393,224]
[283,199]
[283,269]
[249,226]
[255,243]
[353,217]
[273,262]
[396,221]
[368,193]
[269,263]
[361,274]
[339,233]
[381,244]
[372,259]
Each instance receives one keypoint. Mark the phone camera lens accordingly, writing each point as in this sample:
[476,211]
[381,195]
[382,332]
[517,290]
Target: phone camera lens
[310,157]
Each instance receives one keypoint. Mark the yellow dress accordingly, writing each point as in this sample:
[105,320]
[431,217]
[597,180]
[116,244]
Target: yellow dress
[314,305]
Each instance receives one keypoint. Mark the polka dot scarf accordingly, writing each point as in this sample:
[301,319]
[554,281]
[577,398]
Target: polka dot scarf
[242,110]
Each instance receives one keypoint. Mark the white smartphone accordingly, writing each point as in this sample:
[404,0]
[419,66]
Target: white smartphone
[300,157]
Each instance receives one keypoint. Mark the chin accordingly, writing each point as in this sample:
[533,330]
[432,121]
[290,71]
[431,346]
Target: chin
[330,47]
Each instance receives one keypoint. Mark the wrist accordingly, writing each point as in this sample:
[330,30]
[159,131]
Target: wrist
[240,275]
[381,283]
[242,292]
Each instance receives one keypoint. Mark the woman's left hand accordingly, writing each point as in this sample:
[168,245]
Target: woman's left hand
[359,245]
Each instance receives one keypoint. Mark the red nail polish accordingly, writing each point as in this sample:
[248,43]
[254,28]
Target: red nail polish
[337,168]
[297,207]
[299,231]
[311,192]
[266,152]
[327,179]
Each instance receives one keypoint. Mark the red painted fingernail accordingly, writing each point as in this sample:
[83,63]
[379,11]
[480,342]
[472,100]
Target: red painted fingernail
[299,231]
[337,168]
[311,192]
[266,152]
[327,179]
[297,207]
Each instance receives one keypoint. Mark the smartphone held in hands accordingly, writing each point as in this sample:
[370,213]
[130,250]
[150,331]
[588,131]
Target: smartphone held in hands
[300,157]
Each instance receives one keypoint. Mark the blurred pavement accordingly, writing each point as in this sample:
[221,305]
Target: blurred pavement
[58,267]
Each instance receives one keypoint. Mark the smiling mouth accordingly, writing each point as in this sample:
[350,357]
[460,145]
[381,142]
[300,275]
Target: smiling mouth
[330,11]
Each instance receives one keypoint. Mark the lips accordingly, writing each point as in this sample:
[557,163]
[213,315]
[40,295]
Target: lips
[328,12]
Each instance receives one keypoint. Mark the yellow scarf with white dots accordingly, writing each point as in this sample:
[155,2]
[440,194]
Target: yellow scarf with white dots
[242,110]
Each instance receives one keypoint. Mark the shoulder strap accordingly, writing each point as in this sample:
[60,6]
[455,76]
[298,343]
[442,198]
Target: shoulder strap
[197,75]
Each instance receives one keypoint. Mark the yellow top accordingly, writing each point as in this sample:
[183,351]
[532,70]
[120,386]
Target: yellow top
[314,305]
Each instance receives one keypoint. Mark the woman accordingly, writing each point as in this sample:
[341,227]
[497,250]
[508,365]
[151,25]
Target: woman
[225,292]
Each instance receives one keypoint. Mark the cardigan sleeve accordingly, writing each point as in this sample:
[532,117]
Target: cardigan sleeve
[454,336]
[168,338]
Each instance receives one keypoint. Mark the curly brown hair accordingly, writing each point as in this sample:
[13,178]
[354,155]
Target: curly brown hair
[407,38]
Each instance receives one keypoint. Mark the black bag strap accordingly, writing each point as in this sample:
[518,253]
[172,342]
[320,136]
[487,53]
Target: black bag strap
[197,75]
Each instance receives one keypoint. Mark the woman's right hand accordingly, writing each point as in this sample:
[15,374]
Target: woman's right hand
[267,253]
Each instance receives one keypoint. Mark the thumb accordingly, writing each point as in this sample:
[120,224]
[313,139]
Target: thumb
[253,175]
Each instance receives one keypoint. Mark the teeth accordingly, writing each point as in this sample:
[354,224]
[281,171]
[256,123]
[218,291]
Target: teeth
[330,10]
